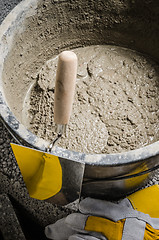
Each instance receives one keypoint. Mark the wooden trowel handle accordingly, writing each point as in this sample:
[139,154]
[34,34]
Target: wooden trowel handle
[65,86]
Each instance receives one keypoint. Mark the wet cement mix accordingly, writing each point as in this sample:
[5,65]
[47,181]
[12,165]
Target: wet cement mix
[116,105]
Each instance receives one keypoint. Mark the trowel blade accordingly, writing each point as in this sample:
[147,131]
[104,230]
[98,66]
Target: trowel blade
[49,177]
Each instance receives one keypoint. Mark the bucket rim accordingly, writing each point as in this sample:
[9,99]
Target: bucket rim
[26,137]
[20,132]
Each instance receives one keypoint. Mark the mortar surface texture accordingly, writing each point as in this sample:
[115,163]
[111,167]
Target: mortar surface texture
[116,87]
[118,90]
[35,214]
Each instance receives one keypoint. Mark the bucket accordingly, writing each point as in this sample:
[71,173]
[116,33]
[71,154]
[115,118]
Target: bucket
[77,24]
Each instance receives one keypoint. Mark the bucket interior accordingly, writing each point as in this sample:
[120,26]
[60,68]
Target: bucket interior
[45,28]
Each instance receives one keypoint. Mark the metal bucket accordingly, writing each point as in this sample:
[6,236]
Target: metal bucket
[93,22]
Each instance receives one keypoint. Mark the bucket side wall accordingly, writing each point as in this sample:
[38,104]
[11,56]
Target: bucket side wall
[55,26]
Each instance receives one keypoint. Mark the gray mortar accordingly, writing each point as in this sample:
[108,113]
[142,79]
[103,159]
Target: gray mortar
[119,90]
[39,213]
[11,180]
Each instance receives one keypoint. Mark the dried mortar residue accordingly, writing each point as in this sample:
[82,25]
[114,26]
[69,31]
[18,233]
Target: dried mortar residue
[116,106]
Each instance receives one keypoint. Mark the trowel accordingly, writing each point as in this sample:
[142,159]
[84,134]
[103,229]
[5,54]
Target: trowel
[49,177]
[64,91]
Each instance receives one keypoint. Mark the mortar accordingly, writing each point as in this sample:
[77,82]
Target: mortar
[77,24]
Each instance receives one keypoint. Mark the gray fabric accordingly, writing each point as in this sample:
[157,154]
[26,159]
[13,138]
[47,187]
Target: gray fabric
[100,208]
[134,229]
[114,211]
[98,235]
[77,221]
[125,203]
[82,237]
[72,227]
[59,230]
[154,222]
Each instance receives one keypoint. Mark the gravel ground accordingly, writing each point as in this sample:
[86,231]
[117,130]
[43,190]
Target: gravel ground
[11,180]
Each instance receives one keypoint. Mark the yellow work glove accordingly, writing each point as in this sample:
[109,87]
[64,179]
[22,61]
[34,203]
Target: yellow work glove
[133,218]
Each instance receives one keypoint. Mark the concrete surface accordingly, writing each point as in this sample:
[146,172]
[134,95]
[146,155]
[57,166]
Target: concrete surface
[21,216]
[9,220]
